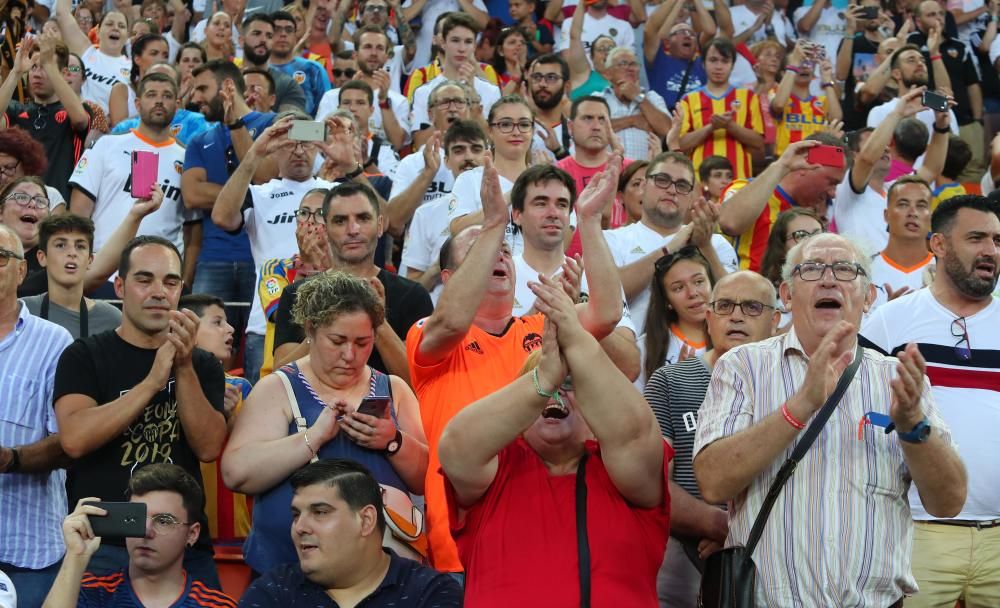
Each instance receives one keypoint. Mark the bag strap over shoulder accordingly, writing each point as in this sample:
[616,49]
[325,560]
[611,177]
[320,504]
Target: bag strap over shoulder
[582,543]
[293,403]
[800,450]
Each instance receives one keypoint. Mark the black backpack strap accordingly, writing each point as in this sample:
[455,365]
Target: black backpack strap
[582,544]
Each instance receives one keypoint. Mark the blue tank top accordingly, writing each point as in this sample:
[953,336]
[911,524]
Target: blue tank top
[270,543]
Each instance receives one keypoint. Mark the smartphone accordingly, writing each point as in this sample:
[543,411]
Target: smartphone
[145,166]
[869,12]
[307,130]
[124,519]
[935,101]
[374,406]
[828,156]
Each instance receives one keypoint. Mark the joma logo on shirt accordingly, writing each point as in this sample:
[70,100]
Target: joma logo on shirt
[281,194]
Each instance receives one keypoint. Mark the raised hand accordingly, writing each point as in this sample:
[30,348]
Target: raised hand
[495,211]
[272,137]
[432,154]
[381,83]
[654,145]
[933,40]
[22,61]
[909,104]
[794,156]
[907,388]
[144,206]
[552,301]
[77,532]
[676,122]
[571,277]
[163,364]
[551,141]
[835,127]
[687,352]
[230,399]
[893,294]
[826,365]
[703,218]
[552,369]
[183,335]
[369,431]
[600,191]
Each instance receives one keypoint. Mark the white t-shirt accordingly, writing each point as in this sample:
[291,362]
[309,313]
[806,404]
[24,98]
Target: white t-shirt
[104,174]
[995,51]
[408,170]
[637,240]
[886,271]
[488,92]
[428,16]
[8,595]
[400,108]
[465,199]
[427,233]
[829,29]
[879,113]
[270,223]
[198,34]
[860,216]
[987,184]
[965,391]
[387,158]
[103,71]
[620,31]
[743,18]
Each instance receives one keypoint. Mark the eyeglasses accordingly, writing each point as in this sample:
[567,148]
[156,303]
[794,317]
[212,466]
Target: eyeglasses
[507,125]
[626,65]
[451,102]
[284,29]
[800,235]
[375,8]
[74,69]
[10,169]
[962,333]
[547,78]
[166,524]
[814,271]
[751,308]
[349,72]
[6,255]
[664,181]
[41,121]
[26,200]
[305,215]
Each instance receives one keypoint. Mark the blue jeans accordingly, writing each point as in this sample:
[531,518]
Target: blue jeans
[200,564]
[253,357]
[233,282]
[31,586]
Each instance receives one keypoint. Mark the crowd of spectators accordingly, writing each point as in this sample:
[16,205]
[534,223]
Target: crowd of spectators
[445,302]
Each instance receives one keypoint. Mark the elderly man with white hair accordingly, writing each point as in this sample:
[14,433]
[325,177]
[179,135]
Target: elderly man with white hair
[635,113]
[849,489]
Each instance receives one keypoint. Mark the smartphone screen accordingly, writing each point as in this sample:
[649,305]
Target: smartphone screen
[145,166]
[374,406]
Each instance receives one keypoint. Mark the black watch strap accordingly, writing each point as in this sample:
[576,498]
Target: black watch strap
[944,130]
[239,124]
[395,445]
[355,173]
[15,462]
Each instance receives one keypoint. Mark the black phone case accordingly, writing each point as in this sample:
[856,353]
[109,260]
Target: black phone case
[124,519]
[381,404]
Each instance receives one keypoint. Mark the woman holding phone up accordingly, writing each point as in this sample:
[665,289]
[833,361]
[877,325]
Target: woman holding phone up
[331,386]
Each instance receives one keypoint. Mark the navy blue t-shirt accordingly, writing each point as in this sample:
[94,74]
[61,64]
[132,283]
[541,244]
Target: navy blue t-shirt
[666,75]
[115,591]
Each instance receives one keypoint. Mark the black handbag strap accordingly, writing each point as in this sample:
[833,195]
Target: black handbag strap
[582,544]
[800,450]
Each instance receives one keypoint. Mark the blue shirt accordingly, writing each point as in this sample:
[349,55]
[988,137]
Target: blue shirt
[212,150]
[115,591]
[311,76]
[32,505]
[406,583]
[185,125]
[666,75]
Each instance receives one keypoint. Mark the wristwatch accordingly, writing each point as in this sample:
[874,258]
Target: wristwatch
[394,445]
[239,124]
[641,97]
[358,171]
[918,434]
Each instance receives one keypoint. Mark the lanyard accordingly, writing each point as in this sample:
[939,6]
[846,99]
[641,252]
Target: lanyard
[83,314]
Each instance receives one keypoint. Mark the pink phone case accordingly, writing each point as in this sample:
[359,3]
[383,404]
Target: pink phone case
[144,172]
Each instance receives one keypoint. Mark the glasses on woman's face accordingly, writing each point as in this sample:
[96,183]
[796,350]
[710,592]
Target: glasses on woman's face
[6,255]
[814,271]
[26,200]
[801,235]
[960,331]
[507,126]
[664,181]
[166,524]
[751,308]
[305,215]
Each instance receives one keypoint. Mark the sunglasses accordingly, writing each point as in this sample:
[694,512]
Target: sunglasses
[337,72]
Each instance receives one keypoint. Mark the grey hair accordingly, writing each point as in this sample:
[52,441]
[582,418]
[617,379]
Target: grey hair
[615,52]
[796,253]
[295,114]
[450,83]
[18,246]
[772,293]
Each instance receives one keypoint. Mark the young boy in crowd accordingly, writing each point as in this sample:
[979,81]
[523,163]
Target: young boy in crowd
[228,513]
[715,173]
[947,185]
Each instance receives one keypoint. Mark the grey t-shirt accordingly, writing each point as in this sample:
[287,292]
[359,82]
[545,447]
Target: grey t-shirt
[101,317]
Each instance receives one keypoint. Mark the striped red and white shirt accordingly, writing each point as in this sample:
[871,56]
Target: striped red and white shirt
[840,533]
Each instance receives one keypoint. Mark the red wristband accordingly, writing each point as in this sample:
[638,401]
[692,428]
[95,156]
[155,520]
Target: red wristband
[791,419]
[935,57]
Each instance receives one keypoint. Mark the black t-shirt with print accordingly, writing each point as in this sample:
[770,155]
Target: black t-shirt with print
[51,126]
[863,63]
[104,367]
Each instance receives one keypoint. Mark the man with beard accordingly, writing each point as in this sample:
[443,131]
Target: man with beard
[102,181]
[425,177]
[390,115]
[909,69]
[258,33]
[354,224]
[954,324]
[857,51]
[225,265]
[310,75]
[549,84]
[55,117]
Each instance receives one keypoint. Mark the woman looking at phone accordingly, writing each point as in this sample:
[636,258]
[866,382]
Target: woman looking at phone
[339,313]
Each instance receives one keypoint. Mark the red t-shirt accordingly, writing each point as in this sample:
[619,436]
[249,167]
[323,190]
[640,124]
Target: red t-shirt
[582,176]
[518,542]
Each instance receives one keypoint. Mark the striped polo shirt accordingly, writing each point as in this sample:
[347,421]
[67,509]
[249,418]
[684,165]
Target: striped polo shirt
[32,505]
[115,591]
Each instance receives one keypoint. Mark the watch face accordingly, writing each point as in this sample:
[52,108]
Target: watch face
[392,447]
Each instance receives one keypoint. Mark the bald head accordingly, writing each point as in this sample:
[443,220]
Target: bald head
[747,282]
[10,241]
[752,317]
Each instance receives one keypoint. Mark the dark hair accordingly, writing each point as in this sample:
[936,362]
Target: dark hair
[345,55]
[456,19]
[540,174]
[660,315]
[83,71]
[574,108]
[61,53]
[25,179]
[165,477]
[723,46]
[854,138]
[499,63]
[774,254]
[944,216]
[904,180]
[125,260]
[463,130]
[355,484]
[677,158]
[549,59]
[199,302]
[277,16]
[155,77]
[593,43]
[713,163]
[58,223]
[959,155]
[508,100]
[910,138]
[138,47]
[894,58]
[18,143]
[266,73]
[629,172]
[345,189]
[223,70]
[262,17]
[193,45]
[370,29]
[358,85]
